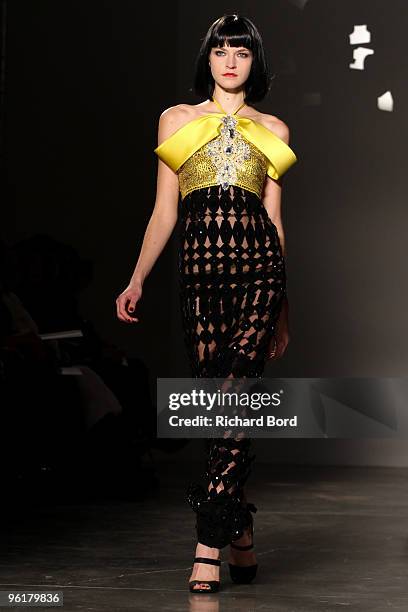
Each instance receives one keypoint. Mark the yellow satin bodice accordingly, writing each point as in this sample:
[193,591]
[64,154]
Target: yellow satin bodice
[208,149]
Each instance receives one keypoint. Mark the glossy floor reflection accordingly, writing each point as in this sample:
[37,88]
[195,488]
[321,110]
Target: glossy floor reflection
[326,539]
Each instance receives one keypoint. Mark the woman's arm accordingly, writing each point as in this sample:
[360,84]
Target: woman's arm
[160,226]
[164,215]
[272,192]
[271,198]
[272,201]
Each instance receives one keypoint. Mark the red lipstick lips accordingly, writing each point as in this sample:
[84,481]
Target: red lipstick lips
[231,74]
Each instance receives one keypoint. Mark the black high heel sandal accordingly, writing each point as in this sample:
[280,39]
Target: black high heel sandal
[214,584]
[238,573]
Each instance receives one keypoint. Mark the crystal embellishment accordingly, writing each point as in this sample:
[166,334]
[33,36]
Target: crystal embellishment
[228,152]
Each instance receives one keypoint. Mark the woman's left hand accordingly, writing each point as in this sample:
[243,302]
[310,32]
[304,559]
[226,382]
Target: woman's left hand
[280,339]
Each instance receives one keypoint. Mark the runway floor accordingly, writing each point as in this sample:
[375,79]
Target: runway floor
[327,538]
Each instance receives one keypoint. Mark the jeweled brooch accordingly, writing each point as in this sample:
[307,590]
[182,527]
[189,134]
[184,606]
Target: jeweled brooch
[228,152]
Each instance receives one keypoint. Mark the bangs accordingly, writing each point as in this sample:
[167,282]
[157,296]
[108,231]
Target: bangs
[233,34]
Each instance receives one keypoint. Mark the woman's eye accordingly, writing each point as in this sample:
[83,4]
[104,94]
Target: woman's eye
[240,53]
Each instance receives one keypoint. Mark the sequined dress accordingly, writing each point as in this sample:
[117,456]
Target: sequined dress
[232,281]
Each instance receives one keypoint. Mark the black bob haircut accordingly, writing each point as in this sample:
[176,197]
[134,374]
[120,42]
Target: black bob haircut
[235,31]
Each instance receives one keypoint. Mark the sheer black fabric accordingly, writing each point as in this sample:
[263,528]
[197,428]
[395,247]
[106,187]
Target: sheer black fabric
[222,511]
[232,282]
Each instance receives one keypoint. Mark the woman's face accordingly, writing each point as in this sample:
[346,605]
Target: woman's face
[225,61]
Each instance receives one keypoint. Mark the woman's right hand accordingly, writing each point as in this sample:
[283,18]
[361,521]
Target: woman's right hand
[126,302]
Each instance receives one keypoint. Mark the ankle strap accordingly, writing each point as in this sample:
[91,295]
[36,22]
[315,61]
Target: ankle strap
[207,560]
[238,547]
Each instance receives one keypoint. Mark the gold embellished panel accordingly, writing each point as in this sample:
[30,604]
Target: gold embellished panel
[246,167]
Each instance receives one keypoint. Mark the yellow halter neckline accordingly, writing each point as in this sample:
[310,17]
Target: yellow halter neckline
[222,110]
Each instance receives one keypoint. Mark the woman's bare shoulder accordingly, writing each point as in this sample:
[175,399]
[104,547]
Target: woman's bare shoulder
[174,117]
[275,125]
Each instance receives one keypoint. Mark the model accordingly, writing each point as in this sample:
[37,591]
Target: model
[225,159]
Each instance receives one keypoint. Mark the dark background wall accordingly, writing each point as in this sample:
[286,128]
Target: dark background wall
[86,83]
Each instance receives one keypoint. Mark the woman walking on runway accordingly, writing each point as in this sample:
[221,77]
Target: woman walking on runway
[224,158]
